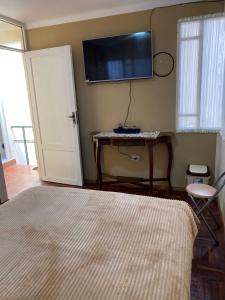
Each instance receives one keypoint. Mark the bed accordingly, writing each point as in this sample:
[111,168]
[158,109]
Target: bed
[66,243]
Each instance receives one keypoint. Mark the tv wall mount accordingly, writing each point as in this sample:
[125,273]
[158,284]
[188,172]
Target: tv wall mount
[163,64]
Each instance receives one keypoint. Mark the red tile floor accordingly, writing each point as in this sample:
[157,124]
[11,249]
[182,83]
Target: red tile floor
[19,178]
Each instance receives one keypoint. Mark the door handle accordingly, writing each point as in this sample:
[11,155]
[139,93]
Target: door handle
[73,117]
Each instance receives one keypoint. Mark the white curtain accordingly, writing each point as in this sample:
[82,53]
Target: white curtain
[200,73]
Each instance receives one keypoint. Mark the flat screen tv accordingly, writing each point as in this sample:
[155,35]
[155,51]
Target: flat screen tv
[122,57]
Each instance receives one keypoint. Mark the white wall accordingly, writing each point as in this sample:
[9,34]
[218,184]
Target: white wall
[220,167]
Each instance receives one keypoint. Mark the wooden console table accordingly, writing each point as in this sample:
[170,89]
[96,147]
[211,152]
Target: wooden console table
[142,139]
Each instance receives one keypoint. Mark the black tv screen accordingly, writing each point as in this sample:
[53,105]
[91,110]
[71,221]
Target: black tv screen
[119,57]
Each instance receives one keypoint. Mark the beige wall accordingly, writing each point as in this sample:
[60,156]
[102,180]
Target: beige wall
[102,106]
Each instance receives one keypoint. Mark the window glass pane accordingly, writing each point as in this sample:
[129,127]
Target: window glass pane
[187,123]
[17,133]
[190,29]
[213,58]
[29,134]
[11,36]
[21,155]
[201,77]
[188,81]
[31,154]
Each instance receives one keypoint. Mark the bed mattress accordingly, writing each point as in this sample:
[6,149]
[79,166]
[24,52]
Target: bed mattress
[65,243]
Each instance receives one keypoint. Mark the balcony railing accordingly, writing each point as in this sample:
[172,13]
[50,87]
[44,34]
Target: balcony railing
[23,139]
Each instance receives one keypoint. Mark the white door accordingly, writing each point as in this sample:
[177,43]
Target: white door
[54,113]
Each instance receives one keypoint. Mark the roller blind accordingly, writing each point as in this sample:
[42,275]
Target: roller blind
[200,73]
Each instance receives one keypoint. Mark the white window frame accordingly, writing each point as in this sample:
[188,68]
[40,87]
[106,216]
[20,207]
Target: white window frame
[197,37]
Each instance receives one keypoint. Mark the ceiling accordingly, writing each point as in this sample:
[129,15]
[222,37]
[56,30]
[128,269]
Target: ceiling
[37,13]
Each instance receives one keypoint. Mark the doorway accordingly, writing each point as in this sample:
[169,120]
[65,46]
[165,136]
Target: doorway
[50,78]
[16,134]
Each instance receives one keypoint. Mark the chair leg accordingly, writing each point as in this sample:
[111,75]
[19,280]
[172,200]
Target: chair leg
[195,204]
[209,229]
[214,219]
[204,220]
[202,202]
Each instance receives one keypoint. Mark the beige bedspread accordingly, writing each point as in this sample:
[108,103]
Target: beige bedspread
[62,243]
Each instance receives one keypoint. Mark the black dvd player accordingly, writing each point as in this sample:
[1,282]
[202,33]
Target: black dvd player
[126,130]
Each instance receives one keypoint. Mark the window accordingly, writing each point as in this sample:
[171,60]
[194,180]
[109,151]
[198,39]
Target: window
[201,73]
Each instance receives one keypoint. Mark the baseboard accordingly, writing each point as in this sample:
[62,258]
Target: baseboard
[163,187]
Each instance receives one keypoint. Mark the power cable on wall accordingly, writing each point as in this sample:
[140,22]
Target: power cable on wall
[129,104]
[131,97]
[123,153]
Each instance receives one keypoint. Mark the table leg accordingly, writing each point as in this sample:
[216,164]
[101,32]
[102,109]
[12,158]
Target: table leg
[151,166]
[98,161]
[170,162]
[94,149]
[95,156]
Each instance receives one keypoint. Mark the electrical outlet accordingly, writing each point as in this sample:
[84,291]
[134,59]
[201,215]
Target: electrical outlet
[135,157]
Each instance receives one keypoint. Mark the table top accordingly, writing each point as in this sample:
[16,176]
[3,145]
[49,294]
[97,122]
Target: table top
[150,135]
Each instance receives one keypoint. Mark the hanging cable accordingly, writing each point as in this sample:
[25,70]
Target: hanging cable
[130,100]
[123,153]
